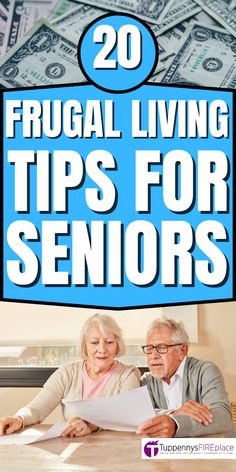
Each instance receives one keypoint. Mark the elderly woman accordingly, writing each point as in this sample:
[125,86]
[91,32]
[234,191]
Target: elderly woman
[98,374]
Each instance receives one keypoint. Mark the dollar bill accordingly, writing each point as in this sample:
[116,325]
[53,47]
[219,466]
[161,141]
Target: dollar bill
[157,74]
[160,71]
[22,15]
[60,7]
[168,41]
[205,19]
[149,10]
[3,24]
[43,57]
[201,17]
[182,13]
[206,57]
[178,12]
[224,11]
[5,4]
[163,51]
[75,21]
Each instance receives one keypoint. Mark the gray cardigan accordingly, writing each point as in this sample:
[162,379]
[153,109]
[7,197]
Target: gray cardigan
[203,382]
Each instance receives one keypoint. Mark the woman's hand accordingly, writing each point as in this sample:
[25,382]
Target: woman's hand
[10,424]
[78,427]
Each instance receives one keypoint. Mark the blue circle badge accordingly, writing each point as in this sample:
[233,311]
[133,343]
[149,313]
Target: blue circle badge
[117,53]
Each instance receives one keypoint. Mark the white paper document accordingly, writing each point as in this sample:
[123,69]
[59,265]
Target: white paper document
[123,412]
[31,435]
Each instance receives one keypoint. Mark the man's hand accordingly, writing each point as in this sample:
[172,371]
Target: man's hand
[200,413]
[10,424]
[162,426]
[78,427]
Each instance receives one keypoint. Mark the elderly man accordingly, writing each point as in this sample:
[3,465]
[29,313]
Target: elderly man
[188,394]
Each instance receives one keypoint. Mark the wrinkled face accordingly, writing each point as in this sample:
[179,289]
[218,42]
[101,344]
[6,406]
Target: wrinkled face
[101,348]
[164,365]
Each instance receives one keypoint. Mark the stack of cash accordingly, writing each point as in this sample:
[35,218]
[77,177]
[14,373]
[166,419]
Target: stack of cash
[196,39]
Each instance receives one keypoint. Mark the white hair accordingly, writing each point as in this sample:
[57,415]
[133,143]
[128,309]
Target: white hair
[106,325]
[177,329]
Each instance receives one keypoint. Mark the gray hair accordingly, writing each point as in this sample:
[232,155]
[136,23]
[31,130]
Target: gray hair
[106,325]
[177,329]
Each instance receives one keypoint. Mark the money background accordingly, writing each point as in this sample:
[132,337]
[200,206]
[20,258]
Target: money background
[196,39]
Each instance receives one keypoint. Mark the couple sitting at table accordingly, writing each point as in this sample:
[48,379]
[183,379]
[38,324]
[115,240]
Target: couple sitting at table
[188,395]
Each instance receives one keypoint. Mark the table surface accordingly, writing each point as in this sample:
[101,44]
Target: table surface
[98,452]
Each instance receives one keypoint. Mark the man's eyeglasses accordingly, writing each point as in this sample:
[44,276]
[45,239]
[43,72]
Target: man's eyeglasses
[161,348]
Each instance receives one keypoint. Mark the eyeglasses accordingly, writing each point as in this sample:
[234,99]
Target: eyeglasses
[161,348]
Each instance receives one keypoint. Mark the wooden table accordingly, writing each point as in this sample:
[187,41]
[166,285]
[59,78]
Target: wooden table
[104,451]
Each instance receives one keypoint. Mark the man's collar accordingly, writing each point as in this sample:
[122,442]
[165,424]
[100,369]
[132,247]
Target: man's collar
[180,370]
[178,373]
